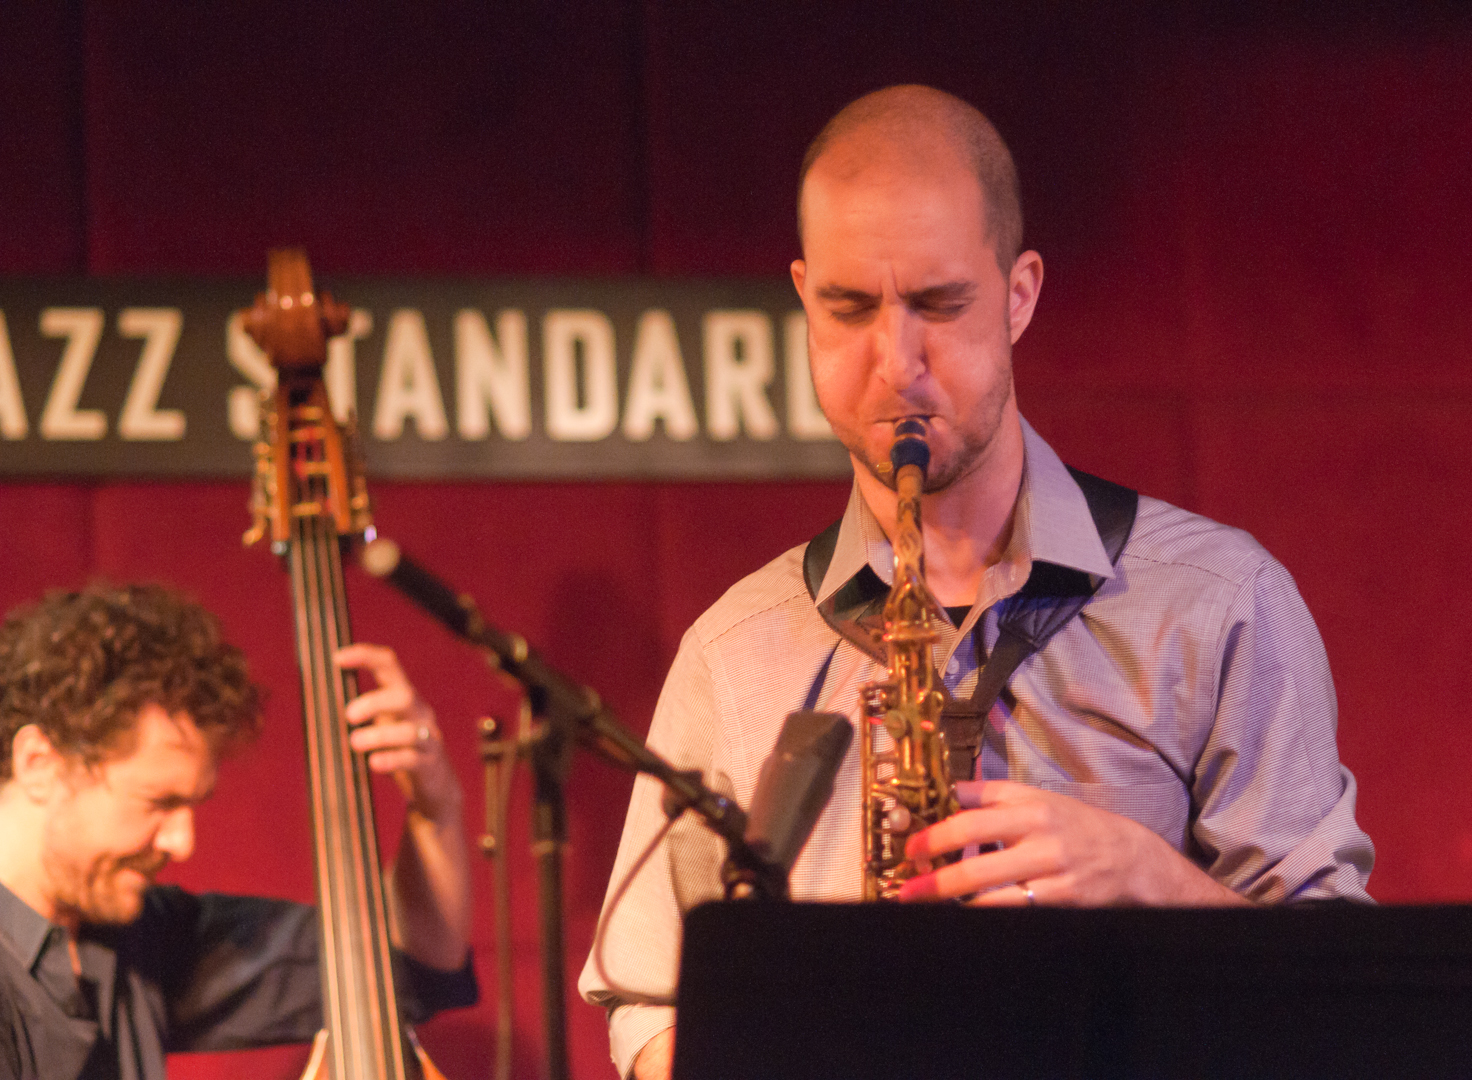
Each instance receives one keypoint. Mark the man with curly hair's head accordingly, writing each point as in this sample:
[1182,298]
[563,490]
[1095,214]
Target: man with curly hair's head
[115,703]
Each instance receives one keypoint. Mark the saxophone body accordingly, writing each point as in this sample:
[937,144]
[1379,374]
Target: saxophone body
[905,784]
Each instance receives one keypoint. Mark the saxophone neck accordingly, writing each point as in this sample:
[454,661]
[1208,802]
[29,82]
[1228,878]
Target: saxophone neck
[910,458]
[909,540]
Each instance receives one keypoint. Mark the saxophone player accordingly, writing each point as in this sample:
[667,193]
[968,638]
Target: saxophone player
[1172,743]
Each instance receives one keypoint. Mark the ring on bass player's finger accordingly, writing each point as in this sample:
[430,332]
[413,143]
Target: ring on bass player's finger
[1032,899]
[421,735]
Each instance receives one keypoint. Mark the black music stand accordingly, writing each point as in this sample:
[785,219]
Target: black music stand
[940,991]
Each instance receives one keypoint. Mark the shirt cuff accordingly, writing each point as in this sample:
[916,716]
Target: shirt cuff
[630,1027]
[424,990]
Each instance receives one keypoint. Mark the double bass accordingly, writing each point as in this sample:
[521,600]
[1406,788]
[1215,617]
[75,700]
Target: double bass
[310,499]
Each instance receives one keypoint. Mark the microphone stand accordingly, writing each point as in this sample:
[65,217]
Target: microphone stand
[569,715]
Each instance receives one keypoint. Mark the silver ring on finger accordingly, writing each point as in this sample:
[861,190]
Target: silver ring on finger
[1032,900]
[421,735]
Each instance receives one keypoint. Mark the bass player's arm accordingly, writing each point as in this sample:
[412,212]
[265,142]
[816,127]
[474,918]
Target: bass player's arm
[429,879]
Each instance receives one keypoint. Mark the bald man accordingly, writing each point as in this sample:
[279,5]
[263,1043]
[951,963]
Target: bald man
[1173,743]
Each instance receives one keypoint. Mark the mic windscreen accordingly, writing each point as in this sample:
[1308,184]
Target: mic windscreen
[795,784]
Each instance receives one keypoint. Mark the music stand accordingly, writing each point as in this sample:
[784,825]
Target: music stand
[940,991]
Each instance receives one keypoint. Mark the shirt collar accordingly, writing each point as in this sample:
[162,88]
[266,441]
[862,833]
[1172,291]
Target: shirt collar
[29,933]
[1063,529]
[1052,524]
[23,927]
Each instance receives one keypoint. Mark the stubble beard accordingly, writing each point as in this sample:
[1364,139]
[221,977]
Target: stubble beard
[975,443]
[94,891]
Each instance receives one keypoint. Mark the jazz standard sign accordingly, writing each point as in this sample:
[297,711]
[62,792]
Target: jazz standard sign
[448,379]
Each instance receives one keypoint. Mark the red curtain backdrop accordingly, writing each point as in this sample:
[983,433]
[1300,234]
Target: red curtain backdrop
[1258,245]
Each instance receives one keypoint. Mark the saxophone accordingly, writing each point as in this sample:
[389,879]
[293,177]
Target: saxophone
[906,787]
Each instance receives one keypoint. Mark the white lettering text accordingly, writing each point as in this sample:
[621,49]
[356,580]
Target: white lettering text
[738,368]
[60,418]
[12,408]
[141,418]
[408,386]
[243,406]
[567,337]
[657,385]
[491,376]
[340,373]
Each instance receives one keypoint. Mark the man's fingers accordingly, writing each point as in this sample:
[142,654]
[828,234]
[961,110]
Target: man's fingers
[379,660]
[968,793]
[391,700]
[976,794]
[393,695]
[396,746]
[1013,895]
[397,734]
[389,761]
[998,824]
[980,872]
[404,740]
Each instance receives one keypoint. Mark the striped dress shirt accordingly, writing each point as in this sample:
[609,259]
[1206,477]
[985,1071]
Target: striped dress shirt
[1191,694]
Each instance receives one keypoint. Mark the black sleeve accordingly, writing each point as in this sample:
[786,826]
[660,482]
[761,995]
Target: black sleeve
[424,991]
[11,1038]
[239,971]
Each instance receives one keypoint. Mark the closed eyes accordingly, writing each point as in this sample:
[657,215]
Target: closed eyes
[939,303]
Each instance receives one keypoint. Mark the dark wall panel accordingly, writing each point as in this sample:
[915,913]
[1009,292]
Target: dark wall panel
[1331,214]
[448,139]
[42,183]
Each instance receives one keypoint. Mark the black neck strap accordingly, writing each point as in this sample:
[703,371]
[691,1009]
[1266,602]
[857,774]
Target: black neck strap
[1026,620]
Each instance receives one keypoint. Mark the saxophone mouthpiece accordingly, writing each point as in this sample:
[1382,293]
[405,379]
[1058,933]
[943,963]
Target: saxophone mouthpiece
[910,447]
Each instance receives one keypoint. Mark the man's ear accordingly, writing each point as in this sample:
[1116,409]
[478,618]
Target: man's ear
[799,275]
[36,766]
[1023,286]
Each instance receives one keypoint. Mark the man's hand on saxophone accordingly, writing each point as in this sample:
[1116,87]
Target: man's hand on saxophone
[1055,850]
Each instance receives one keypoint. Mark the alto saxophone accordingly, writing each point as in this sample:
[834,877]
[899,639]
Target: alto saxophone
[906,787]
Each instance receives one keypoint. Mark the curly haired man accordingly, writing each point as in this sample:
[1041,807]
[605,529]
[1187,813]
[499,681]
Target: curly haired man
[116,703]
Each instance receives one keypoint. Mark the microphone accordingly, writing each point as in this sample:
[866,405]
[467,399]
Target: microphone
[574,712]
[792,789]
[382,558]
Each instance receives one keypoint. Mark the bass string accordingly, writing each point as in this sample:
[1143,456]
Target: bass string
[340,869]
[333,965]
[360,999]
[374,931]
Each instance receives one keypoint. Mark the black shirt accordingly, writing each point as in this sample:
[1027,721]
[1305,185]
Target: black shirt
[206,972]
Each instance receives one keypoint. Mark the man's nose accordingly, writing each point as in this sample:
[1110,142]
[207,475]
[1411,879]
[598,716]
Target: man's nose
[176,838]
[899,346]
